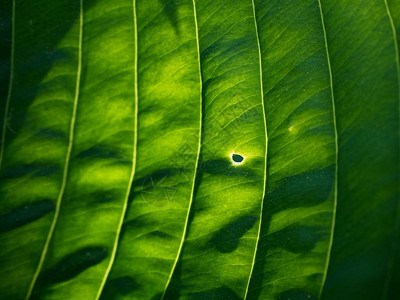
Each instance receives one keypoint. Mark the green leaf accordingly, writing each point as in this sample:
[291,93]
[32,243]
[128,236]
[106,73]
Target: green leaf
[34,133]
[217,255]
[5,51]
[199,149]
[366,88]
[168,151]
[392,287]
[299,205]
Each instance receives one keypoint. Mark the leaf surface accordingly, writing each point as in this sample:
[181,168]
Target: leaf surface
[5,55]
[392,287]
[37,110]
[199,149]
[102,159]
[294,178]
[299,204]
[168,149]
[366,88]
[218,251]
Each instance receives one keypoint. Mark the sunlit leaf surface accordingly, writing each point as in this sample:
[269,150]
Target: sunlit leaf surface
[199,149]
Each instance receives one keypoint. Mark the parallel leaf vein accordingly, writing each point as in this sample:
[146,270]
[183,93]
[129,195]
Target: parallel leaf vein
[10,85]
[197,158]
[134,153]
[266,149]
[397,220]
[336,152]
[67,158]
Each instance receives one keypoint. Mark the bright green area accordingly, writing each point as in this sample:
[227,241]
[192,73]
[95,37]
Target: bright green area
[202,149]
[298,207]
[101,158]
[218,252]
[168,144]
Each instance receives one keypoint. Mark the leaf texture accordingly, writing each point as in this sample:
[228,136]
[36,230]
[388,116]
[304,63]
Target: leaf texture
[300,199]
[35,134]
[366,92]
[198,149]
[393,276]
[217,256]
[169,104]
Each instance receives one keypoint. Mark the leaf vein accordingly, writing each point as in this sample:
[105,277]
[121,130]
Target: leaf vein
[134,153]
[336,151]
[10,85]
[197,158]
[266,149]
[67,158]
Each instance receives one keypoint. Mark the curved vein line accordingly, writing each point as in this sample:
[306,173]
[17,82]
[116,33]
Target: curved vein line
[67,158]
[197,158]
[10,84]
[395,244]
[266,150]
[134,153]
[336,156]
